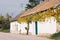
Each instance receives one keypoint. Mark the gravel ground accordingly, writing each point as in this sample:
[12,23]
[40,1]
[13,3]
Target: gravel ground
[9,36]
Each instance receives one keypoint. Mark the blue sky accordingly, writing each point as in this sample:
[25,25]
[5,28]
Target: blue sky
[12,6]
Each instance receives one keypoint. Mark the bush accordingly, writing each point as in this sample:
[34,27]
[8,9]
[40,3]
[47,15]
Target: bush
[55,35]
[5,30]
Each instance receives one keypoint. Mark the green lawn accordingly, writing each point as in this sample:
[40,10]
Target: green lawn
[5,30]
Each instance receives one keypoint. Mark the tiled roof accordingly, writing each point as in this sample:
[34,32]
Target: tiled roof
[40,7]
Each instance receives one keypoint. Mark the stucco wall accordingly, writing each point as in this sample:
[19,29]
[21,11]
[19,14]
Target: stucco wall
[32,28]
[21,28]
[14,27]
[58,27]
[49,26]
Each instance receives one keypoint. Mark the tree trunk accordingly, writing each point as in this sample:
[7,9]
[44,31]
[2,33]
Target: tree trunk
[27,28]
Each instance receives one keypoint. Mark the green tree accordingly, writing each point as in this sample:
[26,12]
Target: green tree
[8,16]
[33,3]
[5,21]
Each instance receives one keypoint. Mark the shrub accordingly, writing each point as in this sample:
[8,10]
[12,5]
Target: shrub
[55,35]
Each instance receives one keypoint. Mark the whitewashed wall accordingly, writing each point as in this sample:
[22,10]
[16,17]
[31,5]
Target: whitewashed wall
[49,26]
[14,27]
[21,28]
[32,28]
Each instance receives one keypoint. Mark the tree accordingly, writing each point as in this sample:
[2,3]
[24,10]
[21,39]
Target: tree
[2,22]
[28,20]
[8,16]
[5,21]
[1,18]
[33,3]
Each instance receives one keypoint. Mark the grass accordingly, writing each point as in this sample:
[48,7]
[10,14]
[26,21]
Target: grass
[56,35]
[5,30]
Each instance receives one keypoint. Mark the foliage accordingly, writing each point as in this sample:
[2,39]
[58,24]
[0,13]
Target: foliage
[55,35]
[26,28]
[21,19]
[32,3]
[4,22]
[5,30]
[1,17]
[40,16]
[8,16]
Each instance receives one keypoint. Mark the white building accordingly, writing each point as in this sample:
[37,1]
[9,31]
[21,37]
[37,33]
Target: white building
[36,28]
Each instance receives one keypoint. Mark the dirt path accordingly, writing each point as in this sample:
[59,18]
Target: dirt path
[9,36]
